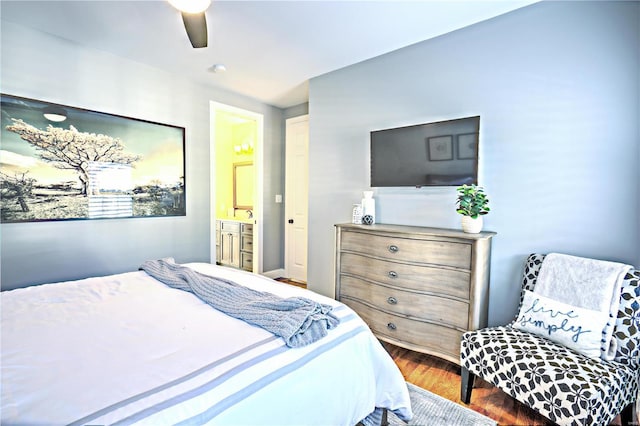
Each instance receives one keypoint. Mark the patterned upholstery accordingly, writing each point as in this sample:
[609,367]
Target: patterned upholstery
[562,385]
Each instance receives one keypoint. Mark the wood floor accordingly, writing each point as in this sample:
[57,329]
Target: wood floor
[292,282]
[443,378]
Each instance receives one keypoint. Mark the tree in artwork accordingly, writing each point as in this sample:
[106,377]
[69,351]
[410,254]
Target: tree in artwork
[17,187]
[70,149]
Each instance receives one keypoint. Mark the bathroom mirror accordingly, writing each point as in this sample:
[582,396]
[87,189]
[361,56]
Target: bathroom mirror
[243,185]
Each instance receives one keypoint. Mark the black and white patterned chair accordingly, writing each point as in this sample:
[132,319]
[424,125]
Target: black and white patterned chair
[566,387]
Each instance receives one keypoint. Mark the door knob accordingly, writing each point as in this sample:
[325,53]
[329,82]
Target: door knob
[290,220]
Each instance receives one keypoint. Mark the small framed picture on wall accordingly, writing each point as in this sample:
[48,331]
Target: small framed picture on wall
[440,148]
[467,146]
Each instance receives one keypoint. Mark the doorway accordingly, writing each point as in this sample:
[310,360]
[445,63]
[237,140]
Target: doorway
[236,164]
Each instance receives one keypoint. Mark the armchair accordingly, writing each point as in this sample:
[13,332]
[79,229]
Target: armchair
[565,386]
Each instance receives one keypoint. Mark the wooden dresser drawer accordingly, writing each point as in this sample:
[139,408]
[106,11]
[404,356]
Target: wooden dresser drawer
[448,282]
[425,336]
[409,250]
[407,303]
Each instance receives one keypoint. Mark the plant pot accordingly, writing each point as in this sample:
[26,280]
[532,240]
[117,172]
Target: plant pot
[471,225]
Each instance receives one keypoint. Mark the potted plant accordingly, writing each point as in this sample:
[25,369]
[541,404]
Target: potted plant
[472,204]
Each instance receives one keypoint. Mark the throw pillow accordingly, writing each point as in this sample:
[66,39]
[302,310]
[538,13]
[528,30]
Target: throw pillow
[576,328]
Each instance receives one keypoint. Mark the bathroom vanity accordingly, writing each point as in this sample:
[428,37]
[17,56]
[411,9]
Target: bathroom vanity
[234,243]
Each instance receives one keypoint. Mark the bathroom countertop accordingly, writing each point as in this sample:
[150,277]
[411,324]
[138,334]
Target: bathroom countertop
[235,219]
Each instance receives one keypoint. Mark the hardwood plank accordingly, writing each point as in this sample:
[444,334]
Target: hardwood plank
[292,282]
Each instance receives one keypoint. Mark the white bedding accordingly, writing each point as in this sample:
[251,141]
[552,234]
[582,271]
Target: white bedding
[126,349]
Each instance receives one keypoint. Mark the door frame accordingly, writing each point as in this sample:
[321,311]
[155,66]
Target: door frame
[258,153]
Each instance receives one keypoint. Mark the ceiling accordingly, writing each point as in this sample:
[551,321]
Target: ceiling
[270,48]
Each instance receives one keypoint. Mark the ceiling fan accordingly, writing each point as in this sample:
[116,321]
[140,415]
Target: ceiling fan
[194,19]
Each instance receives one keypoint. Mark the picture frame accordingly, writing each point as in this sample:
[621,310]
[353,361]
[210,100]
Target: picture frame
[81,164]
[440,148]
[467,146]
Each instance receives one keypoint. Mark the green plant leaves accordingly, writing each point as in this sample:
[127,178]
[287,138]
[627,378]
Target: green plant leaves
[472,201]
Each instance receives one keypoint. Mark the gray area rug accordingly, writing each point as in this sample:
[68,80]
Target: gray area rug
[430,409]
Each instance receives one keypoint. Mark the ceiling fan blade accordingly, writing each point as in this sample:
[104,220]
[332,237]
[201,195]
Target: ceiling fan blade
[196,26]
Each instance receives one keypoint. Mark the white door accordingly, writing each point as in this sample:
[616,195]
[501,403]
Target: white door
[296,197]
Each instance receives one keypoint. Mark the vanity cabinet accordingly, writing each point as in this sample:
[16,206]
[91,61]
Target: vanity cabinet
[246,246]
[416,287]
[234,244]
[229,243]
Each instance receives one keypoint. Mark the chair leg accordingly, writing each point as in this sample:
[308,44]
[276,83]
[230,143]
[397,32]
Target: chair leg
[626,417]
[466,385]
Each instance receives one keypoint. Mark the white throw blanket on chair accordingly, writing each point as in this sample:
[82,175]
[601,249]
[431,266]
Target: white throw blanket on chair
[585,283]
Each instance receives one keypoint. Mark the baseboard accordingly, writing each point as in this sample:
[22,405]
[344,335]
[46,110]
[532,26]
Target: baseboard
[276,273]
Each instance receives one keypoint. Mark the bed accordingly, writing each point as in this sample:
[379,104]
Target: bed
[129,349]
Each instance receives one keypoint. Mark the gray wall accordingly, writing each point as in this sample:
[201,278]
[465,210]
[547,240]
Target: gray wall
[556,86]
[37,65]
[295,111]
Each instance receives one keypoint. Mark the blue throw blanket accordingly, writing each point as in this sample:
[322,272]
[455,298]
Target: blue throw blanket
[298,320]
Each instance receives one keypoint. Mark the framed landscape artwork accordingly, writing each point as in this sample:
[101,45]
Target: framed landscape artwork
[64,163]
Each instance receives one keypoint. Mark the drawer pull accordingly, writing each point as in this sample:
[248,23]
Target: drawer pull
[391,326]
[393,248]
[393,274]
[392,300]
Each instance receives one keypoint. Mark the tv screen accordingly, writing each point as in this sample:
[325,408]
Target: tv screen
[443,153]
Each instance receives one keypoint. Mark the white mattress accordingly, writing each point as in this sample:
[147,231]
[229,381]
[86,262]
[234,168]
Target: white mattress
[126,349]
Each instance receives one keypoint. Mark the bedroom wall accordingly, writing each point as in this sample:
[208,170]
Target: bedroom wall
[295,111]
[40,66]
[556,86]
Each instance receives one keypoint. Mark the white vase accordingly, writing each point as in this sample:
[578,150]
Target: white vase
[369,207]
[471,225]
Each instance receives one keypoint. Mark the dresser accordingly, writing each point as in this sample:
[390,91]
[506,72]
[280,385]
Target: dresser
[416,287]
[234,244]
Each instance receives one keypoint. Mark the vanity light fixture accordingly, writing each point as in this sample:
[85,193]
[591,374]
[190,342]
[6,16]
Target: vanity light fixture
[54,113]
[244,148]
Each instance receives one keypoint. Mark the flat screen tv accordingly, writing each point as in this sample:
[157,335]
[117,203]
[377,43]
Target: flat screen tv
[443,153]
